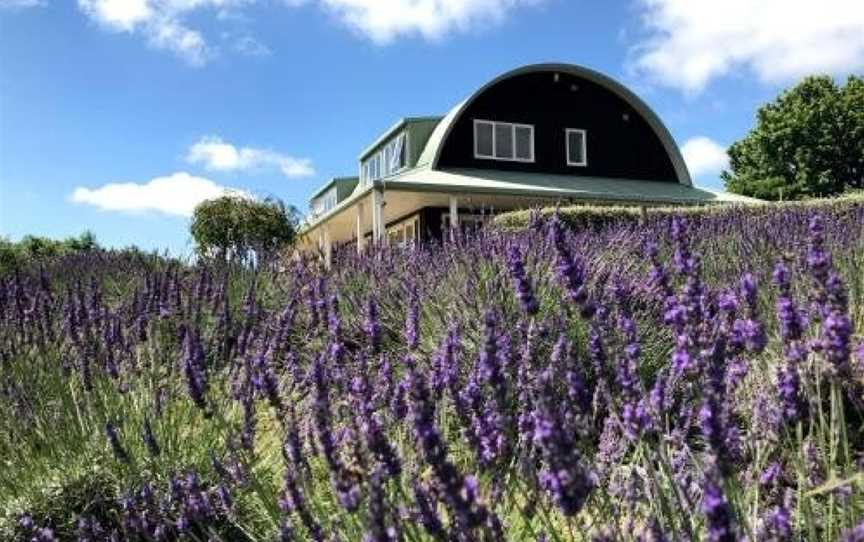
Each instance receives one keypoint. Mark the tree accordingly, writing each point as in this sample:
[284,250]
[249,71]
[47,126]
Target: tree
[238,228]
[809,142]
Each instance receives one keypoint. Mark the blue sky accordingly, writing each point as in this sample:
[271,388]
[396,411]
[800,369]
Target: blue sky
[119,115]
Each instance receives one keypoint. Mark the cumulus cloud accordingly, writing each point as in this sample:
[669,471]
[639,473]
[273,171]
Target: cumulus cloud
[218,155]
[163,23]
[690,42]
[385,20]
[704,156]
[176,194]
[160,22]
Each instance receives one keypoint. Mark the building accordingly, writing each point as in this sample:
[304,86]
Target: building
[537,135]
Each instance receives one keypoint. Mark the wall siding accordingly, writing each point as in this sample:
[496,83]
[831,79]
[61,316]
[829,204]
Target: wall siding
[627,149]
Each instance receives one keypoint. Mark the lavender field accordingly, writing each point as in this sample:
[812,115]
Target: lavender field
[695,377]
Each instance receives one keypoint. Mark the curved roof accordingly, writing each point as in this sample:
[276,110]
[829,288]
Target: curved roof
[432,152]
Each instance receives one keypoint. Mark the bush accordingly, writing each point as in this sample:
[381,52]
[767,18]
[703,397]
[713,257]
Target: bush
[596,217]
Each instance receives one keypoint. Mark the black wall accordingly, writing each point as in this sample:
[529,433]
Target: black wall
[617,147]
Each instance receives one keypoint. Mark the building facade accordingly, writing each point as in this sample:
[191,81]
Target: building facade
[537,135]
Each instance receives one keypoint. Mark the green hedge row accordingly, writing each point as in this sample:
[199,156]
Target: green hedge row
[598,217]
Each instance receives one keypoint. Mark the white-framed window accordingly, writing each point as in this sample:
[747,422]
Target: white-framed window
[325,202]
[577,147]
[503,141]
[391,159]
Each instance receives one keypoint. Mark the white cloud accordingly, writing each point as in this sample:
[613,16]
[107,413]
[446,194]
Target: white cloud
[122,15]
[385,20]
[160,22]
[172,35]
[176,194]
[163,22]
[704,156]
[690,42]
[216,154]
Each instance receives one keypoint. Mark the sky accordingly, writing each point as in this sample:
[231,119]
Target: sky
[119,116]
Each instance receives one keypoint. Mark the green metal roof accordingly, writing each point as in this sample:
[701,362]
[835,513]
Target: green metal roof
[489,181]
[331,183]
[390,132]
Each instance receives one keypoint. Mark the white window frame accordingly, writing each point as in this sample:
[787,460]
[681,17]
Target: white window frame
[584,133]
[376,165]
[513,127]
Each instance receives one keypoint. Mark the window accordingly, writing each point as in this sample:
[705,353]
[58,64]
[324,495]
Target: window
[503,141]
[324,203]
[577,147]
[483,139]
[524,143]
[389,160]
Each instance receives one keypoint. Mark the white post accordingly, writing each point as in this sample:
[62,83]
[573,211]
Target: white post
[328,248]
[377,215]
[454,217]
[360,238]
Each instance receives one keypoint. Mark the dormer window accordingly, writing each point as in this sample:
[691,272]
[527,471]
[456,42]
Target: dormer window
[389,160]
[503,141]
[324,203]
[577,147]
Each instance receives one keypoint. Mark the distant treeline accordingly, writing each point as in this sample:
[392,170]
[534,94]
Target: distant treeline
[15,253]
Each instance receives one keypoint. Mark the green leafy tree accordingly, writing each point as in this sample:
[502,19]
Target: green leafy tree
[238,228]
[809,142]
[34,248]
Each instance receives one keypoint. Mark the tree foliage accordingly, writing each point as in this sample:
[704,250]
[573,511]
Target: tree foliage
[237,228]
[31,247]
[809,142]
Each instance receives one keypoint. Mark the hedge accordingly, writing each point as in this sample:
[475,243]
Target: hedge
[598,217]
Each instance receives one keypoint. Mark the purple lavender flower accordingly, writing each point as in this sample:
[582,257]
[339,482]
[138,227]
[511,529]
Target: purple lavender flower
[792,403]
[292,501]
[372,326]
[193,368]
[856,534]
[116,446]
[776,525]
[265,382]
[377,527]
[427,515]
[286,531]
[524,288]
[563,476]
[467,511]
[569,270]
[344,481]
[380,446]
[721,526]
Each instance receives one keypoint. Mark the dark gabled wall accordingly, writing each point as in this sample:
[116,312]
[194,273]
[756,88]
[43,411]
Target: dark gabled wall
[617,147]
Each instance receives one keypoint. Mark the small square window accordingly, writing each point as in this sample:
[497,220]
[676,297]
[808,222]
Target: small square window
[577,151]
